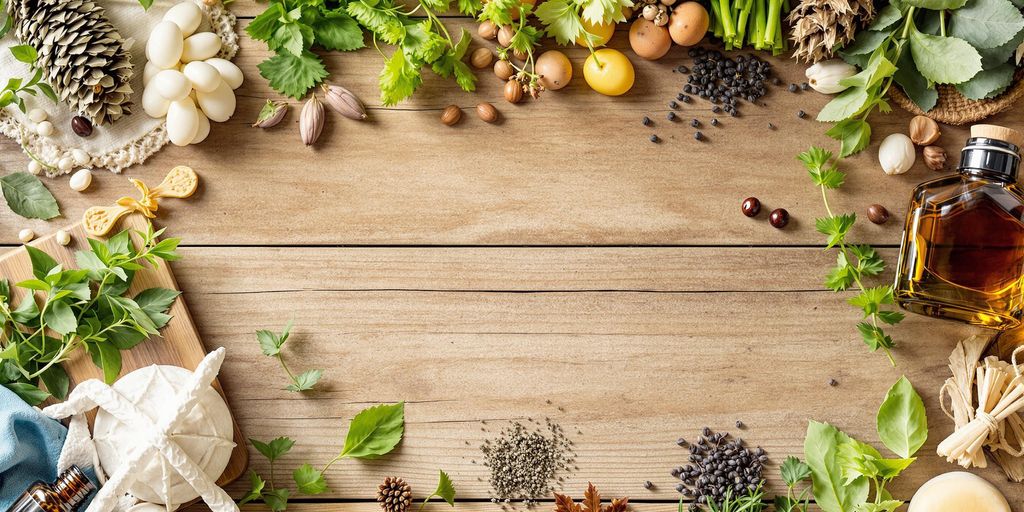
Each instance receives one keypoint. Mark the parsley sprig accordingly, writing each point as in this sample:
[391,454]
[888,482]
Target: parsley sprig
[271,344]
[853,262]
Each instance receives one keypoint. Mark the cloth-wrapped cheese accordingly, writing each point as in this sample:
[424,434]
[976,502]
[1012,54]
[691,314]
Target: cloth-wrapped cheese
[205,434]
[958,491]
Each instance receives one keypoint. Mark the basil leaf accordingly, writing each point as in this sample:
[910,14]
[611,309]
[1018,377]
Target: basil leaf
[375,431]
[24,53]
[60,318]
[42,263]
[28,197]
[986,23]
[944,60]
[902,423]
[830,490]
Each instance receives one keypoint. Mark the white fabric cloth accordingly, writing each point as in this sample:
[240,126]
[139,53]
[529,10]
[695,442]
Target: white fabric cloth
[131,139]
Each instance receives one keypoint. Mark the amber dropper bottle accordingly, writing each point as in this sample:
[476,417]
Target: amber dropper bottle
[65,495]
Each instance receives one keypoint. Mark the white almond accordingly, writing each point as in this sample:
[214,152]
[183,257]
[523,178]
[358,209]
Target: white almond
[26,235]
[35,167]
[182,122]
[203,130]
[62,237]
[172,84]
[65,164]
[228,71]
[896,154]
[186,15]
[80,180]
[218,105]
[80,156]
[201,46]
[165,45]
[37,115]
[204,77]
[44,129]
[153,104]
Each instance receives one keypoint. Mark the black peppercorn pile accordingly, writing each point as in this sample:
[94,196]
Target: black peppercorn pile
[726,81]
[524,463]
[719,464]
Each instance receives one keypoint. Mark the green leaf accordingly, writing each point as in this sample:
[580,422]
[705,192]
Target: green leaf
[988,83]
[305,380]
[256,485]
[399,79]
[840,277]
[835,227]
[445,489]
[869,263]
[470,7]
[32,395]
[271,343]
[293,38]
[874,337]
[882,506]
[24,53]
[944,60]
[47,91]
[890,317]
[156,302]
[262,27]
[902,423]
[309,480]
[561,20]
[108,358]
[42,263]
[865,42]
[604,12]
[986,23]
[464,76]
[57,381]
[853,134]
[871,298]
[993,57]
[293,75]
[146,4]
[375,431]
[846,105]
[28,197]
[936,5]
[831,492]
[277,499]
[499,11]
[917,87]
[421,44]
[337,30]
[27,311]
[885,18]
[275,449]
[794,471]
[60,318]
[385,25]
[878,68]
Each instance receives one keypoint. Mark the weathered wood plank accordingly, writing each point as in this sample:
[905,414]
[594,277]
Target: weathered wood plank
[631,369]
[572,168]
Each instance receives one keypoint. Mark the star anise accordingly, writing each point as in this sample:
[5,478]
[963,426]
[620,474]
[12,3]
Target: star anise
[591,503]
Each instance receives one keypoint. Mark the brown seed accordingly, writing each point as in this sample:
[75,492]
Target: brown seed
[513,91]
[505,35]
[520,56]
[878,214]
[81,125]
[487,30]
[751,207]
[503,69]
[924,130]
[934,157]
[778,218]
[451,115]
[481,58]
[487,112]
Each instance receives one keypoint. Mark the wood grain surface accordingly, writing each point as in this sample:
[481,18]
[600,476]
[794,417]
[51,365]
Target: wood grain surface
[479,272]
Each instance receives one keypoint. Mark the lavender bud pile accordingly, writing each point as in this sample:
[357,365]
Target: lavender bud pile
[525,463]
[725,81]
[719,464]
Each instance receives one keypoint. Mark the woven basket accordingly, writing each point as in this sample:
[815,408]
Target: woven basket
[952,108]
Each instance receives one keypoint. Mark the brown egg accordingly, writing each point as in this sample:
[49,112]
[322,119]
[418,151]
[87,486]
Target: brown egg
[554,69]
[689,23]
[649,40]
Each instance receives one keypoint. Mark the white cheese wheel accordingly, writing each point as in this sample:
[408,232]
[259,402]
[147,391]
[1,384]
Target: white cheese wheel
[204,434]
[958,491]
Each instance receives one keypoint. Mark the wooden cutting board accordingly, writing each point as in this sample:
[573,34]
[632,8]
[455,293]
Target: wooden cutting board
[179,345]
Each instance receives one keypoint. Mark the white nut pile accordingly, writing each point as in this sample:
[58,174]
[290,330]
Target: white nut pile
[183,80]
[66,161]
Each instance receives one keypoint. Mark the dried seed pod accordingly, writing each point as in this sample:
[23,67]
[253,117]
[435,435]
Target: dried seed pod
[487,30]
[394,495]
[487,112]
[924,130]
[311,121]
[513,91]
[504,70]
[934,157]
[505,35]
[481,58]
[271,114]
[344,102]
[451,115]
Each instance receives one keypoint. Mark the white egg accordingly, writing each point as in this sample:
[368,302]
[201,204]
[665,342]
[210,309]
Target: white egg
[80,180]
[149,72]
[165,45]
[44,129]
[200,46]
[153,104]
[65,164]
[228,71]
[35,167]
[80,156]
[186,15]
[204,128]
[182,122]
[172,84]
[204,77]
[218,105]
[37,115]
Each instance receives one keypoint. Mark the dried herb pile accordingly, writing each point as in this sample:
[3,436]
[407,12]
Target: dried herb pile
[525,463]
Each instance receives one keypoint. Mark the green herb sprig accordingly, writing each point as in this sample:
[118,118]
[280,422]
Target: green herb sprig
[854,263]
[445,490]
[793,472]
[750,501]
[271,344]
[68,309]
[16,87]
[850,476]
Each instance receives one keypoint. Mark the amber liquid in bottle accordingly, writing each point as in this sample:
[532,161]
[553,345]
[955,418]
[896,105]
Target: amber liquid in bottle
[962,256]
[65,495]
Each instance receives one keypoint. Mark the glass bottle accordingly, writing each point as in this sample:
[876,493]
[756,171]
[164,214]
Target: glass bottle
[962,256]
[68,492]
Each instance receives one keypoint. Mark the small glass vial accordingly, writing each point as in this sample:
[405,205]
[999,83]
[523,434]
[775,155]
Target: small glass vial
[65,495]
[962,256]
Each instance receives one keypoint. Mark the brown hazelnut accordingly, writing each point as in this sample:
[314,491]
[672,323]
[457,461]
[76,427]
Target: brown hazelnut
[487,112]
[503,69]
[451,115]
[520,56]
[878,214]
[505,35]
[935,157]
[924,130]
[487,30]
[513,91]
[481,58]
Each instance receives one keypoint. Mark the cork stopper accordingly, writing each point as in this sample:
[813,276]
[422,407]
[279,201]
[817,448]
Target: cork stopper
[991,131]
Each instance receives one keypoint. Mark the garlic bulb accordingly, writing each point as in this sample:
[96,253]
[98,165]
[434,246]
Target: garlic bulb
[825,76]
[896,154]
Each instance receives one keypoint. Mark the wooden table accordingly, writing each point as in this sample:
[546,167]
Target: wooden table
[477,272]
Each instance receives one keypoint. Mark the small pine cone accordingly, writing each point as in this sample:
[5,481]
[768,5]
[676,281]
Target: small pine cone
[394,495]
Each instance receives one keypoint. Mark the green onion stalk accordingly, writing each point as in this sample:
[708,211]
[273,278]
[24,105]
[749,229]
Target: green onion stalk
[753,23]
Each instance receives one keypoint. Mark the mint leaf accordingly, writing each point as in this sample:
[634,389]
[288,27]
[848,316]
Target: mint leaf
[262,27]
[293,75]
[60,318]
[944,60]
[293,38]
[901,420]
[375,431]
[275,449]
[309,480]
[28,197]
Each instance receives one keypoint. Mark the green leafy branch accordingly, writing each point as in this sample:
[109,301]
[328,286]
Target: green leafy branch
[853,262]
[271,344]
[794,471]
[16,87]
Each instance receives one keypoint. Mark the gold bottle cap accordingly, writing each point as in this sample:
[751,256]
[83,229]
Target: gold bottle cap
[991,131]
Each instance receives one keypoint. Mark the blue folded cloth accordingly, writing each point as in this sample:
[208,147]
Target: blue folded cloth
[30,444]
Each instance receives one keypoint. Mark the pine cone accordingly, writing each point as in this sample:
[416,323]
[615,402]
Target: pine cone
[394,495]
[820,27]
[83,57]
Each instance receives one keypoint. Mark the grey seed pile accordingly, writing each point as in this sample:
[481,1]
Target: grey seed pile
[724,80]
[718,464]
[525,463]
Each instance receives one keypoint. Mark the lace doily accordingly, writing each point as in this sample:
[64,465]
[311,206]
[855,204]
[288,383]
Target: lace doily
[130,140]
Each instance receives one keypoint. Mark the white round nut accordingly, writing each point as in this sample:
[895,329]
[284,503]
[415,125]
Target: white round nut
[37,115]
[65,164]
[80,156]
[896,154]
[650,11]
[35,167]
[26,235]
[80,180]
[63,237]
[44,128]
